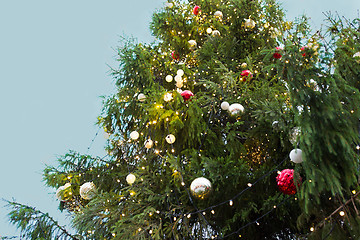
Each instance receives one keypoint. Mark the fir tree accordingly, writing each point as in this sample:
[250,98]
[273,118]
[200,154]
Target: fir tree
[226,91]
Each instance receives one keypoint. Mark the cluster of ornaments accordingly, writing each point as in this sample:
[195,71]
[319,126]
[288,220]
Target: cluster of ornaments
[234,109]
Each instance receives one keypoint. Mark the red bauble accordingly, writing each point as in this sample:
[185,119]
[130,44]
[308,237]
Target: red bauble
[277,55]
[285,181]
[187,95]
[303,50]
[196,10]
[246,74]
[175,56]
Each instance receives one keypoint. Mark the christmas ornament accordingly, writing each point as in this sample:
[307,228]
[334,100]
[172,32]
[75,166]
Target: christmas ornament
[249,23]
[236,108]
[196,10]
[130,179]
[275,125]
[169,78]
[149,143]
[187,95]
[225,106]
[141,97]
[244,65]
[209,30]
[192,44]
[200,188]
[178,78]
[296,155]
[63,195]
[88,190]
[357,56]
[180,72]
[168,97]
[170,139]
[216,33]
[134,135]
[285,182]
[302,49]
[175,56]
[169,4]
[179,84]
[218,14]
[294,134]
[277,55]
[246,75]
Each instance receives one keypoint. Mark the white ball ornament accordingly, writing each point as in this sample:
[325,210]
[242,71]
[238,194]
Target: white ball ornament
[130,179]
[192,44]
[178,78]
[216,33]
[141,97]
[149,143]
[236,108]
[209,30]
[180,72]
[168,78]
[218,14]
[170,139]
[60,194]
[357,56]
[296,155]
[225,106]
[88,190]
[249,23]
[179,84]
[200,188]
[134,135]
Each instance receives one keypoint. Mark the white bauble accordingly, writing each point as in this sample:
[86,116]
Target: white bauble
[169,78]
[60,195]
[134,135]
[209,30]
[357,54]
[180,72]
[236,108]
[141,97]
[216,33]
[179,84]
[168,97]
[218,14]
[192,44]
[88,190]
[170,139]
[200,188]
[249,23]
[296,155]
[130,179]
[149,143]
[225,106]
[178,78]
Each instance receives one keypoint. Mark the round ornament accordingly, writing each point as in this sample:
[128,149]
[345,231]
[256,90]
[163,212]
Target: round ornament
[179,84]
[275,125]
[236,108]
[244,65]
[178,78]
[246,75]
[168,97]
[216,33]
[170,139]
[180,72]
[285,182]
[187,95]
[196,10]
[209,30]
[88,190]
[357,56]
[130,179]
[225,106]
[249,23]
[200,188]
[169,78]
[192,44]
[277,54]
[175,55]
[141,97]
[134,135]
[294,134]
[218,14]
[61,193]
[149,143]
[296,155]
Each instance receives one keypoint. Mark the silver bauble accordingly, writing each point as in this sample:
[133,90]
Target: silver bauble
[225,105]
[296,155]
[236,108]
[88,190]
[200,188]
[141,97]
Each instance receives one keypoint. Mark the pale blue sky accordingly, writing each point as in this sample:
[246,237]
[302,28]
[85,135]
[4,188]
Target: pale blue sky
[53,68]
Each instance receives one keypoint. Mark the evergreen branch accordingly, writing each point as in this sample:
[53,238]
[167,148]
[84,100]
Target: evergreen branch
[35,224]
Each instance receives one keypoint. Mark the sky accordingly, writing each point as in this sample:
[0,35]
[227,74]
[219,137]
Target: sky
[54,66]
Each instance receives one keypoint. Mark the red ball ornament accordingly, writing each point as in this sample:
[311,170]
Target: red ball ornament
[285,182]
[196,10]
[175,56]
[277,55]
[187,95]
[303,50]
[246,74]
